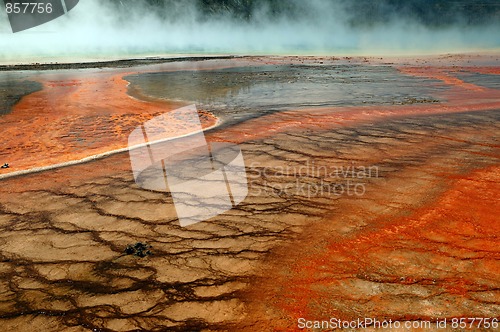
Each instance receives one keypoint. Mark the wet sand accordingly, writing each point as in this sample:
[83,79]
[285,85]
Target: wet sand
[421,242]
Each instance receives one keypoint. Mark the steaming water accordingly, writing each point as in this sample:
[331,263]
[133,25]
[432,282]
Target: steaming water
[94,30]
[236,94]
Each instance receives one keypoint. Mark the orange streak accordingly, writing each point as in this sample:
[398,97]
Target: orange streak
[462,97]
[76,118]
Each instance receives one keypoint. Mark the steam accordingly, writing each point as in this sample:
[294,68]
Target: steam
[96,30]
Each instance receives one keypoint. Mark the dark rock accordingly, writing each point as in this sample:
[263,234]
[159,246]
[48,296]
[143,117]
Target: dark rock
[139,249]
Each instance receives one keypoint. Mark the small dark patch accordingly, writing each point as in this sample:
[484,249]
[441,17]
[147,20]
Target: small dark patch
[126,63]
[11,92]
[139,249]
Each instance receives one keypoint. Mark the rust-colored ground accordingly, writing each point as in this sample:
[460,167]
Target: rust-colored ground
[391,259]
[71,119]
[420,243]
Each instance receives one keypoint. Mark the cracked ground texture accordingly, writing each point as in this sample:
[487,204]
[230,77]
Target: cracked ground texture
[421,242]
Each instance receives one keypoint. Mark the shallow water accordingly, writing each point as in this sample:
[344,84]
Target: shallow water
[421,226]
[236,94]
[485,80]
[13,86]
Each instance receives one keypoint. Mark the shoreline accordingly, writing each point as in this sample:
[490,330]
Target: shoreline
[421,226]
[121,63]
[153,60]
[73,93]
[98,156]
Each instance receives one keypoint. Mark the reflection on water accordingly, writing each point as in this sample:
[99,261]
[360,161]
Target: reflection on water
[12,88]
[485,80]
[239,93]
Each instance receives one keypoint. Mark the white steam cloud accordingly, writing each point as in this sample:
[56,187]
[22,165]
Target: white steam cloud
[93,30]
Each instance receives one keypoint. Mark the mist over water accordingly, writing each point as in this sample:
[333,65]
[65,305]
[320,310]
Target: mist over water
[119,29]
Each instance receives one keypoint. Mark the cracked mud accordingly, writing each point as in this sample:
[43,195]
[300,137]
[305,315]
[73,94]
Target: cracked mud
[420,242]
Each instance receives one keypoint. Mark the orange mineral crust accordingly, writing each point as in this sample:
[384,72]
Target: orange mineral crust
[441,260]
[419,240]
[82,114]
[73,118]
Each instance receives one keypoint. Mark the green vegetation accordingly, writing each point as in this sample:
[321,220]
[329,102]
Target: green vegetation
[357,13]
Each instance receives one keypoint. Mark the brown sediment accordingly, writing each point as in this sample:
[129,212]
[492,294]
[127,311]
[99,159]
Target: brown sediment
[369,259]
[71,119]
[257,266]
[124,63]
[441,261]
[420,243]
[82,114]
